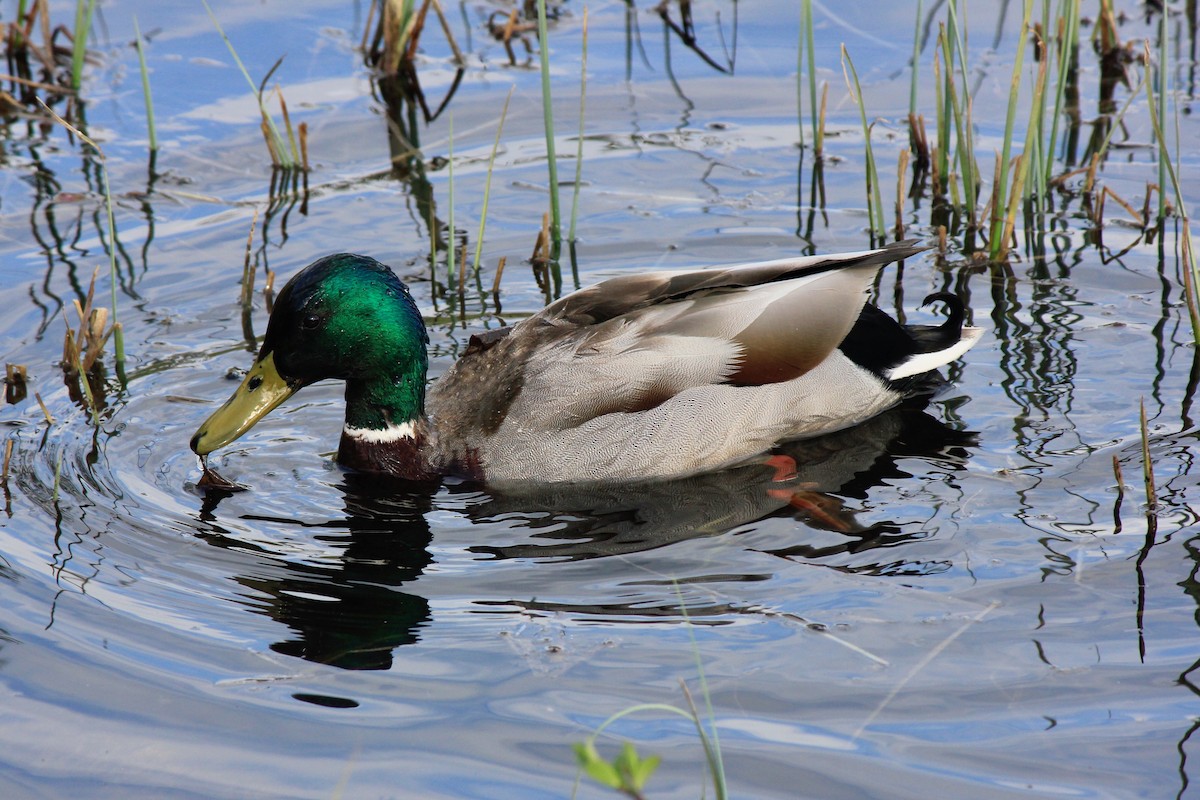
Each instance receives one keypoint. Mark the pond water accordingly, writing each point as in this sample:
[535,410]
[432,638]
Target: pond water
[963,601]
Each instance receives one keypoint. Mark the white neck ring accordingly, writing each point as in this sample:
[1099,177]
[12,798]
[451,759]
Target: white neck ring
[392,433]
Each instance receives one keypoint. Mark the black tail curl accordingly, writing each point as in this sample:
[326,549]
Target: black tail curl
[878,343]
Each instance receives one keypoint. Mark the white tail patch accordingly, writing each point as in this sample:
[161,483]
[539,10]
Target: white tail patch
[392,433]
[926,362]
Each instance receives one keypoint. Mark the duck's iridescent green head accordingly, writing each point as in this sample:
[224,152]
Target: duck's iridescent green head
[344,316]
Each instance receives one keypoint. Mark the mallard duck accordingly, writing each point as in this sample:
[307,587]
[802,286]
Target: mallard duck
[640,377]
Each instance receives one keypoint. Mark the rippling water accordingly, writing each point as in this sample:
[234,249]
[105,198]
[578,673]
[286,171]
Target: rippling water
[955,600]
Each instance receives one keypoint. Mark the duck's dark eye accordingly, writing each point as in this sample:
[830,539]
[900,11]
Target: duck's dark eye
[311,322]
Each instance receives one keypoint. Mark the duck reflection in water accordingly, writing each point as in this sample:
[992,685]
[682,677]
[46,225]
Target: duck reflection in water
[798,480]
[352,613]
[347,613]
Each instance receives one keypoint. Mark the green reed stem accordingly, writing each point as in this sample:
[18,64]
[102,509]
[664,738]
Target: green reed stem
[487,184]
[579,141]
[946,40]
[999,249]
[118,330]
[1168,170]
[84,9]
[1165,166]
[818,134]
[963,150]
[1164,157]
[87,390]
[1191,278]
[433,247]
[137,34]
[1033,133]
[964,127]
[551,157]
[712,746]
[450,280]
[916,54]
[275,141]
[1068,49]
[997,223]
[942,123]
[874,200]
[405,24]
[800,77]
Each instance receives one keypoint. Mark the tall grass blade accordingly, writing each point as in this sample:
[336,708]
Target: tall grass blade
[800,77]
[450,212]
[997,221]
[963,114]
[274,140]
[579,141]
[1166,167]
[712,748]
[551,156]
[1027,163]
[487,184]
[1164,156]
[141,51]
[1190,276]
[916,54]
[145,86]
[84,9]
[287,126]
[874,198]
[1068,52]
[941,160]
[964,140]
[818,133]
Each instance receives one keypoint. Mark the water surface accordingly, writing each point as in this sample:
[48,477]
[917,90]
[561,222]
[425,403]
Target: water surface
[958,601]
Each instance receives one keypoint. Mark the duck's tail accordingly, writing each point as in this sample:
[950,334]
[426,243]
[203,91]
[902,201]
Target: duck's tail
[936,346]
[897,353]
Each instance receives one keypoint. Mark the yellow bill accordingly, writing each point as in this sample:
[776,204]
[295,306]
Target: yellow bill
[262,390]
